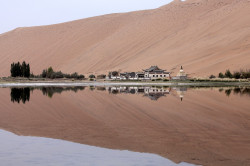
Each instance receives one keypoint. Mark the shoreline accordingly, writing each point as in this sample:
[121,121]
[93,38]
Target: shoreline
[102,83]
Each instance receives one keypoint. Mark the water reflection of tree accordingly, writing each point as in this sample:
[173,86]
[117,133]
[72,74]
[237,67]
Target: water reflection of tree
[23,94]
[242,91]
[20,94]
[228,92]
[91,88]
[238,90]
[50,91]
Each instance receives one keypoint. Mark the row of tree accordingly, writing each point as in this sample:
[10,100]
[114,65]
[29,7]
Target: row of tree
[242,74]
[20,70]
[50,73]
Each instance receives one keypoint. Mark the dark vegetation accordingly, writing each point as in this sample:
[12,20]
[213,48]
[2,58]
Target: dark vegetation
[237,90]
[102,76]
[20,94]
[113,73]
[212,76]
[23,70]
[92,76]
[242,74]
[20,70]
[50,73]
[50,91]
[23,94]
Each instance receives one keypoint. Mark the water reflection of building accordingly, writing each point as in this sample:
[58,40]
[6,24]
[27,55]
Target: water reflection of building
[180,91]
[154,93]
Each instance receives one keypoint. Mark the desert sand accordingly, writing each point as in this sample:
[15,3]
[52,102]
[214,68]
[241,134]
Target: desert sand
[205,36]
[206,128]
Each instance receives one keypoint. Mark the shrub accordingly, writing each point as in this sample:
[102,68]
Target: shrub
[67,76]
[81,77]
[245,74]
[102,76]
[74,75]
[115,73]
[228,74]
[92,76]
[221,75]
[236,75]
[57,75]
[166,80]
[212,76]
[50,73]
[44,73]
[91,79]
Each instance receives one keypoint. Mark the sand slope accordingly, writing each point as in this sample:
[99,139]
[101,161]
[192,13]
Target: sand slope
[205,36]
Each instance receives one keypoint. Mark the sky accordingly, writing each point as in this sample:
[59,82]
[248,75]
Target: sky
[25,13]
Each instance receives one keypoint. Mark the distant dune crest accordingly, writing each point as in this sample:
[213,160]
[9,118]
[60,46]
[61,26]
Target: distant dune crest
[204,36]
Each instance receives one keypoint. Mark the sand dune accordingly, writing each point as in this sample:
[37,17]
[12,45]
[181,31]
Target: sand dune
[205,36]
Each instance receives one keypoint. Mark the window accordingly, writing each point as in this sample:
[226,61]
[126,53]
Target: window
[161,76]
[164,75]
[156,75]
[153,75]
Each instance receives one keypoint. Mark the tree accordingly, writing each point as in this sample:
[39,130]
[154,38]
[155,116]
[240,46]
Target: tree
[236,75]
[92,76]
[212,76]
[23,69]
[115,73]
[18,70]
[27,72]
[81,77]
[221,75]
[102,76]
[228,74]
[44,73]
[50,72]
[12,70]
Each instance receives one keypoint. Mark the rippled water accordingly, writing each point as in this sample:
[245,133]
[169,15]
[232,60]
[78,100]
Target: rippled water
[125,125]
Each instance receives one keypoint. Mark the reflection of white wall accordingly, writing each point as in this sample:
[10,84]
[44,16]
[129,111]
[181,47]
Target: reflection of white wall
[29,151]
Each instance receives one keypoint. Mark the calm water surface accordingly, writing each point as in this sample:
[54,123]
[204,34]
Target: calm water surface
[125,126]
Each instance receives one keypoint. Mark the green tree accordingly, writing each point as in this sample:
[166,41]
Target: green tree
[23,69]
[212,76]
[221,75]
[92,76]
[228,74]
[50,72]
[16,70]
[27,73]
[12,70]
[236,75]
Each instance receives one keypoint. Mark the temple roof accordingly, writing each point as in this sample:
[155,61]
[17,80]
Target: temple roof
[153,68]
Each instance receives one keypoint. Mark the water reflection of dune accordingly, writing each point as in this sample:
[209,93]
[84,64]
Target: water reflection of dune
[208,128]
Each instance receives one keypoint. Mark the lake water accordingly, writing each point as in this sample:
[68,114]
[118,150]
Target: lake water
[124,125]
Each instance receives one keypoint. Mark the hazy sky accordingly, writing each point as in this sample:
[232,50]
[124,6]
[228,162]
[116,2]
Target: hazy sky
[21,13]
